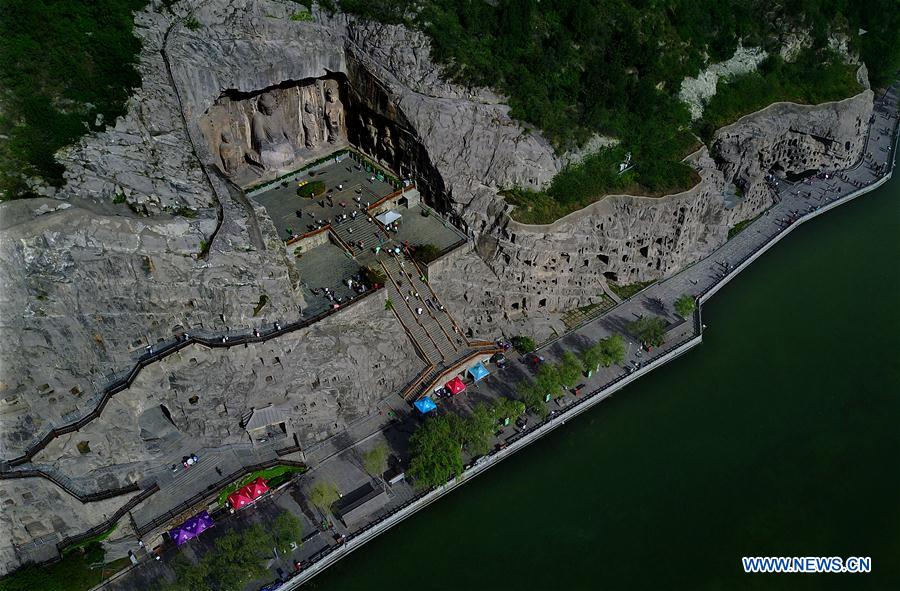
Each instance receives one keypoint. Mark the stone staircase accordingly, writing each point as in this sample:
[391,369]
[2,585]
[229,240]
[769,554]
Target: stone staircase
[351,232]
[437,339]
[422,328]
[449,326]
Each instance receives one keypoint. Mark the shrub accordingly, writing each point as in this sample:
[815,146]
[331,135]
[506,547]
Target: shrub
[425,253]
[311,189]
[523,344]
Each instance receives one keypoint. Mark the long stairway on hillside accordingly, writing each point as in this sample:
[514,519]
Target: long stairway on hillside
[423,328]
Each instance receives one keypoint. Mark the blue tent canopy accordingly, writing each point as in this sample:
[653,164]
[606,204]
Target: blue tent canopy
[425,405]
[478,371]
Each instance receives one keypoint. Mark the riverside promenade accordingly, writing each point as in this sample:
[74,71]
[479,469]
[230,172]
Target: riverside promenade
[795,203]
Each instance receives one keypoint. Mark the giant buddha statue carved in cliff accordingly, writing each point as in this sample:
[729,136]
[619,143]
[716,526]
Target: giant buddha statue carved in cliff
[334,112]
[269,134]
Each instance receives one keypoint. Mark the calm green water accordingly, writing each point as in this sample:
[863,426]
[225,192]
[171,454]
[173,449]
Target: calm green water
[780,435]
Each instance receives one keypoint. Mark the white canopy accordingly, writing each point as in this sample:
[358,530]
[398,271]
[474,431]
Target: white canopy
[388,217]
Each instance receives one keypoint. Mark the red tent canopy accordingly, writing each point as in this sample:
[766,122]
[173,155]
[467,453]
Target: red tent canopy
[455,386]
[239,499]
[255,489]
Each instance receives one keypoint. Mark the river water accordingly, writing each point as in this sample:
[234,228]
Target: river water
[780,435]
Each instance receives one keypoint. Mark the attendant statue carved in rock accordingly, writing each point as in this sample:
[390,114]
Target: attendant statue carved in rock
[311,131]
[387,146]
[334,112]
[269,134]
[231,154]
[372,139]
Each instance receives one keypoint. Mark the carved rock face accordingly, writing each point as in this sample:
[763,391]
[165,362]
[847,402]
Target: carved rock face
[276,130]
[270,135]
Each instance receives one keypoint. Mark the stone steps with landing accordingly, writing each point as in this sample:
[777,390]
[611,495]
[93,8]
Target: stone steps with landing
[418,325]
[407,274]
[443,317]
[354,231]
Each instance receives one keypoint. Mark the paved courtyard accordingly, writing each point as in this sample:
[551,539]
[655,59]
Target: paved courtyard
[283,204]
[325,266]
[418,227]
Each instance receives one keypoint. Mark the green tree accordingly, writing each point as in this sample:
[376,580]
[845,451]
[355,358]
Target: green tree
[287,528]
[592,357]
[504,408]
[651,330]
[388,304]
[436,451]
[238,558]
[375,460]
[532,397]
[374,275]
[523,344]
[478,430]
[189,576]
[685,305]
[612,350]
[549,381]
[569,369]
[323,495]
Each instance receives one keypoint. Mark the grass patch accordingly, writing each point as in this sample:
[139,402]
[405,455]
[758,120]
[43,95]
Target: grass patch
[94,540]
[576,187]
[739,227]
[573,318]
[271,474]
[302,17]
[626,291]
[184,211]
[311,189]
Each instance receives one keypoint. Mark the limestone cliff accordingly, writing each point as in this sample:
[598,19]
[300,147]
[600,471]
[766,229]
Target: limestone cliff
[152,233]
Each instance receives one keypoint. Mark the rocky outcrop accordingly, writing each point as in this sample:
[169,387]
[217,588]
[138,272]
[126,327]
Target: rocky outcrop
[538,272]
[275,129]
[322,378]
[36,515]
[696,91]
[789,140]
[92,288]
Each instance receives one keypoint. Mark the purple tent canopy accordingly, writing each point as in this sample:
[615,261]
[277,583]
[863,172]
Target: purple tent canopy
[191,528]
[200,523]
[180,535]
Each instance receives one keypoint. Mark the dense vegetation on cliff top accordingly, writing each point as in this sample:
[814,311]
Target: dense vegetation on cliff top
[63,63]
[571,68]
[575,68]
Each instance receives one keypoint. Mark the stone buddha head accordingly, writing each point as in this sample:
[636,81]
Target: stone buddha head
[266,104]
